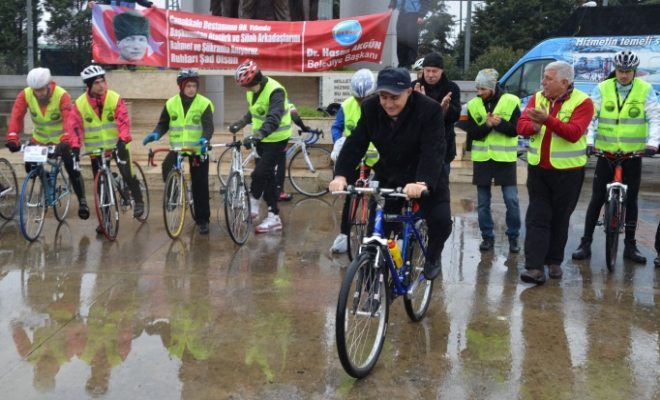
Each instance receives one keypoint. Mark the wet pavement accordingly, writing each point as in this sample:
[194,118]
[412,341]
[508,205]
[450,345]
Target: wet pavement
[200,318]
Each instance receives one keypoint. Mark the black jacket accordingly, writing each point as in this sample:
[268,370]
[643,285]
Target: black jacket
[437,92]
[410,147]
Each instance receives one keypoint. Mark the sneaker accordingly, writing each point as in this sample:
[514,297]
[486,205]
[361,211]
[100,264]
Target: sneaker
[340,245]
[83,209]
[203,227]
[432,269]
[138,210]
[284,196]
[271,223]
[487,244]
[254,207]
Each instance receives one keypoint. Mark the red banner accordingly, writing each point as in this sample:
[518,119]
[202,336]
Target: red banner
[166,38]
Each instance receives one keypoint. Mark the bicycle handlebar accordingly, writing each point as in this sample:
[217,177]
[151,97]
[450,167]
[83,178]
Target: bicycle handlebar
[313,137]
[619,155]
[152,153]
[385,192]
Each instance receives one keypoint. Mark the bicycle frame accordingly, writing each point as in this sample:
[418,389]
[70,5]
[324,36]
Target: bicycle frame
[45,175]
[298,141]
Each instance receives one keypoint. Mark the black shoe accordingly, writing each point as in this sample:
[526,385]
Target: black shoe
[554,271]
[514,247]
[83,209]
[99,230]
[535,276]
[657,262]
[487,244]
[371,304]
[203,228]
[630,252]
[584,250]
[138,210]
[432,269]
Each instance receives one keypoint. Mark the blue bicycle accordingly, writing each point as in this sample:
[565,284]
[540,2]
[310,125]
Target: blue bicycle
[373,281]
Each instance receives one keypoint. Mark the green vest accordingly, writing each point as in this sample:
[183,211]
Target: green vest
[186,128]
[623,130]
[352,114]
[563,154]
[100,133]
[259,110]
[48,126]
[496,146]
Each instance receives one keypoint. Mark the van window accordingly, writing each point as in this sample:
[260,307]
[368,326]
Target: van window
[526,80]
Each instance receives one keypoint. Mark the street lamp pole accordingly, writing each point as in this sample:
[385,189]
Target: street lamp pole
[30,35]
[468,36]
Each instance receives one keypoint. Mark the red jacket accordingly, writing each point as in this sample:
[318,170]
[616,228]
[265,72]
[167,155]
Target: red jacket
[75,129]
[21,107]
[572,130]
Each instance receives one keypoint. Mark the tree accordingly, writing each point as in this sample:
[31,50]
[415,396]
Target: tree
[70,29]
[499,58]
[436,29]
[13,35]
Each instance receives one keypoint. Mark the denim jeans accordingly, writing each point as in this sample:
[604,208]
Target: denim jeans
[510,194]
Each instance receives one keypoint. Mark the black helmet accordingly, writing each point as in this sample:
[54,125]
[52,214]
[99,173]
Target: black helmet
[187,74]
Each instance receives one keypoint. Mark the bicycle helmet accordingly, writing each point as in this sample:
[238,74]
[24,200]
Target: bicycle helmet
[626,60]
[418,65]
[38,78]
[362,83]
[187,75]
[246,73]
[92,72]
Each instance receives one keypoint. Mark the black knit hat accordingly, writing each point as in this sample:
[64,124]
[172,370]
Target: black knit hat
[433,60]
[130,23]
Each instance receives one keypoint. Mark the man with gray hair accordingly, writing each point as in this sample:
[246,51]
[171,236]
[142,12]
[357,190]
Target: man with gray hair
[556,120]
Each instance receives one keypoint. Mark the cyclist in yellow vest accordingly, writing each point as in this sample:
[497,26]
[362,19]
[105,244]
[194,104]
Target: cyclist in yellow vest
[491,122]
[49,106]
[270,116]
[627,120]
[556,120]
[362,86]
[188,117]
[100,120]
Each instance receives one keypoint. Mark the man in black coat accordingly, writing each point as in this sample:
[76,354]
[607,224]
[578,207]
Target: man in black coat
[407,130]
[434,84]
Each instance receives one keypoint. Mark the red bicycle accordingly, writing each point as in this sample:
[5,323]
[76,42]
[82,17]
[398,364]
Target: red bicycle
[358,214]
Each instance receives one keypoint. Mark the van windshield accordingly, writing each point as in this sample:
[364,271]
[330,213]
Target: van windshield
[526,80]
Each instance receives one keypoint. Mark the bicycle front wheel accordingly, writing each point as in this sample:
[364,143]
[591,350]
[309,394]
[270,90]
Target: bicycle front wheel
[310,170]
[62,190]
[174,204]
[32,208]
[237,209]
[362,314]
[106,204]
[8,190]
[418,298]
[358,219]
[144,189]
[613,222]
[223,166]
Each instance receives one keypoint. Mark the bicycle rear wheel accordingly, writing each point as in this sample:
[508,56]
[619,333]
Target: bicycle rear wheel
[174,204]
[144,189]
[310,171]
[62,190]
[8,190]
[32,208]
[362,315]
[358,219]
[613,221]
[106,204]
[418,298]
[237,209]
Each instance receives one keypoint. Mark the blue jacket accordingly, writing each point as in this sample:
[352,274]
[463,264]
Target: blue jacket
[126,3]
[410,6]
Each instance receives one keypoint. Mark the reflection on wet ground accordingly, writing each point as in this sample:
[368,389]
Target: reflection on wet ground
[147,317]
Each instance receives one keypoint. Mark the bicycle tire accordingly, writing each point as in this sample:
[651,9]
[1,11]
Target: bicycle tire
[32,207]
[174,203]
[613,221]
[62,190]
[418,298]
[9,199]
[237,209]
[361,322]
[107,213]
[311,174]
[358,220]
[144,188]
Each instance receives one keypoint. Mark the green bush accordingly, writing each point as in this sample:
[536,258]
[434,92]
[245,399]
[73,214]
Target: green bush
[309,112]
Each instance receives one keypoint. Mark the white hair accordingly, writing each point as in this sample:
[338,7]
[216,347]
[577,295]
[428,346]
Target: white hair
[564,70]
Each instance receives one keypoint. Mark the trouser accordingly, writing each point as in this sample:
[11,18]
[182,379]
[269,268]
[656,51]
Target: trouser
[657,239]
[553,195]
[407,38]
[199,181]
[125,169]
[280,173]
[251,9]
[632,175]
[510,194]
[263,177]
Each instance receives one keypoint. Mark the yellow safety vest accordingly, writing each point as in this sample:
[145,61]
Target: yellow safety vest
[100,133]
[623,130]
[259,110]
[186,128]
[563,154]
[48,126]
[352,114]
[496,146]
